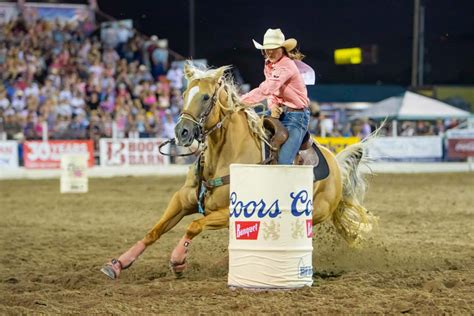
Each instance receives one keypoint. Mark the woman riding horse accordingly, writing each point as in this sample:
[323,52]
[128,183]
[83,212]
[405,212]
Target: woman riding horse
[231,132]
[284,89]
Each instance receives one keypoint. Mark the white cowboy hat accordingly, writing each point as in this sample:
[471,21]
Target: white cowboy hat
[275,38]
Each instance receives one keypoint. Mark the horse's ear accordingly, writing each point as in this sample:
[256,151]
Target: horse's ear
[188,71]
[220,72]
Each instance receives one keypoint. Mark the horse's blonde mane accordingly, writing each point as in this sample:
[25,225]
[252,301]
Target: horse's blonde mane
[233,100]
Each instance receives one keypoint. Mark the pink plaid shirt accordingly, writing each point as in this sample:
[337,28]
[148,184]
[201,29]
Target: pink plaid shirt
[283,85]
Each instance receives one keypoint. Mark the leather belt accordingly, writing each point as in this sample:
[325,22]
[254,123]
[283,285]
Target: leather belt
[288,109]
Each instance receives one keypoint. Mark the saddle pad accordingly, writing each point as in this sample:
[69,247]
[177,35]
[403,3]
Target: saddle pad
[265,150]
[321,170]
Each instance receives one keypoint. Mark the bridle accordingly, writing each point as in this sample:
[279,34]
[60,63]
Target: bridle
[200,122]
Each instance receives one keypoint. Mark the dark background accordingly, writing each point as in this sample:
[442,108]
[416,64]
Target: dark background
[224,32]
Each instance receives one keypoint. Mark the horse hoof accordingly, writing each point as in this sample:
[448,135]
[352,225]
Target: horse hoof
[177,269]
[108,271]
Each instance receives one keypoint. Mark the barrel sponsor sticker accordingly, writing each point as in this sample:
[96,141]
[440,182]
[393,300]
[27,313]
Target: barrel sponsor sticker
[247,230]
[304,269]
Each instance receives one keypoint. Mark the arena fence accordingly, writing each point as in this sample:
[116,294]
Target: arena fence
[453,153]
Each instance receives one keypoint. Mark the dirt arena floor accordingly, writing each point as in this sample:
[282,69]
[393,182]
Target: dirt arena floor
[420,259]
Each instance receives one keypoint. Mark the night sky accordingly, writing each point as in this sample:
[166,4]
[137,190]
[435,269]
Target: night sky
[224,32]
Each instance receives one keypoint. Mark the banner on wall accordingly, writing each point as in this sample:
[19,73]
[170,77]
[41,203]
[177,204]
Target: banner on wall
[132,152]
[336,144]
[460,143]
[47,155]
[460,147]
[8,12]
[56,12]
[460,133]
[406,148]
[8,154]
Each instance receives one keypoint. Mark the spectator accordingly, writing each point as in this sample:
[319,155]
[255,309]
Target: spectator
[143,74]
[408,129]
[159,58]
[365,129]
[313,126]
[12,126]
[175,76]
[168,125]
[4,101]
[327,125]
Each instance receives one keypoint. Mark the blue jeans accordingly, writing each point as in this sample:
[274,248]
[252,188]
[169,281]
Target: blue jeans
[297,125]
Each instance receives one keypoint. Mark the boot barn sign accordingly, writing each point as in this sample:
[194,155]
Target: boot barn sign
[131,152]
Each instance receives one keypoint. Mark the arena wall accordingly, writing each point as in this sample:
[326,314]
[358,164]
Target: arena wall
[179,170]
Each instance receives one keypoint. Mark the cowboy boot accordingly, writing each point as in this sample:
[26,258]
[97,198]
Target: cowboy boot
[178,257]
[115,266]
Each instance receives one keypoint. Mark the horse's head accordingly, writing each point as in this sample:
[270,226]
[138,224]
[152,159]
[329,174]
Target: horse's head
[199,113]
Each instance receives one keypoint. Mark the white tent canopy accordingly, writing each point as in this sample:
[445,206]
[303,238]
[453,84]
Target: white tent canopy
[412,106]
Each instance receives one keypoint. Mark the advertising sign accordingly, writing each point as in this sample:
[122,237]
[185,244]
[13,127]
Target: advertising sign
[47,155]
[131,152]
[336,144]
[406,148]
[460,133]
[460,147]
[8,12]
[56,12]
[8,154]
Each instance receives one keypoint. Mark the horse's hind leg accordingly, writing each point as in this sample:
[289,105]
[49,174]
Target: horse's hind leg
[323,208]
[177,208]
[326,197]
[215,220]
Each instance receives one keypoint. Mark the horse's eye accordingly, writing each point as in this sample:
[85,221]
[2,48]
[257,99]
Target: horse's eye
[205,97]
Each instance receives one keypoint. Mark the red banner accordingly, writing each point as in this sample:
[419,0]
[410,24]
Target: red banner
[47,155]
[460,147]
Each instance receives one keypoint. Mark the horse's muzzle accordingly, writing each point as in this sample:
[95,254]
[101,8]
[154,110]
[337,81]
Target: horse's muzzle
[186,132]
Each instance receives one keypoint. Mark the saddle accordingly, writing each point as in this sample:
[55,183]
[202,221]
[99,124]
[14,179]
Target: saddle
[308,154]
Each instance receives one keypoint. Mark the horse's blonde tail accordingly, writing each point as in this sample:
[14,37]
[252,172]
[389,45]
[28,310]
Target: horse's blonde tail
[351,219]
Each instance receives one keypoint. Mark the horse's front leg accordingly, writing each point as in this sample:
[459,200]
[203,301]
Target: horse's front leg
[216,220]
[182,203]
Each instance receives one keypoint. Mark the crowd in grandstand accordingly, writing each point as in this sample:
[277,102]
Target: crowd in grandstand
[59,76]
[324,123]
[63,77]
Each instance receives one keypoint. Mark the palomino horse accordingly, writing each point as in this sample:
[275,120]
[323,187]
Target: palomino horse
[231,133]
